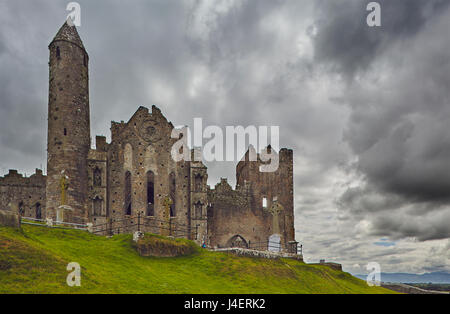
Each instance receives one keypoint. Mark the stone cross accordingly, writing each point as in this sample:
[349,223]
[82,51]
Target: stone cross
[64,186]
[275,210]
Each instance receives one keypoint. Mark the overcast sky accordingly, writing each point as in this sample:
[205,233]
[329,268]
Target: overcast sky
[366,110]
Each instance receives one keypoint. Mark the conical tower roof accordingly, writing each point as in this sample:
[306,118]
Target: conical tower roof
[69,33]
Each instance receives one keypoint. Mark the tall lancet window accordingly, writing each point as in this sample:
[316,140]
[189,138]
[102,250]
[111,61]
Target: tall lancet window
[97,177]
[150,194]
[198,183]
[172,184]
[127,196]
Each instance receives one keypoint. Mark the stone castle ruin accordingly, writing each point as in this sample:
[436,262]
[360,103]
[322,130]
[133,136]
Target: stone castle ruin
[134,179]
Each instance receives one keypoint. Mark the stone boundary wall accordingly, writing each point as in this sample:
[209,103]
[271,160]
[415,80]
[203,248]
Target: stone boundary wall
[402,288]
[258,254]
[335,266]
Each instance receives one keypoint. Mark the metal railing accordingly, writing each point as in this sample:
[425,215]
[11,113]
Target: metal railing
[265,246]
[275,246]
[146,224]
[52,224]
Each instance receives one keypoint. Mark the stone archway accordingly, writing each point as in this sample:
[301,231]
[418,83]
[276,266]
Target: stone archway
[237,241]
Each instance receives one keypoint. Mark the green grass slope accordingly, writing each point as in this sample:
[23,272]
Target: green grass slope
[34,260]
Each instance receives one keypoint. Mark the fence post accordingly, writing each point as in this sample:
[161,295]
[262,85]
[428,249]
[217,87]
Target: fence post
[110,225]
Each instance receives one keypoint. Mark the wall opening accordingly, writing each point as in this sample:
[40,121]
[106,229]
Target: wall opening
[127,196]
[98,202]
[198,183]
[264,202]
[21,209]
[97,177]
[172,184]
[58,52]
[198,210]
[150,194]
[38,211]
[237,241]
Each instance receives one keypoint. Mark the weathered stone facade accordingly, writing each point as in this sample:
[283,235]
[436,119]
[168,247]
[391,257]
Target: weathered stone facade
[260,207]
[134,181]
[23,195]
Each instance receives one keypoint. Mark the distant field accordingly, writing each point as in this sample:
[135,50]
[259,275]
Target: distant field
[34,260]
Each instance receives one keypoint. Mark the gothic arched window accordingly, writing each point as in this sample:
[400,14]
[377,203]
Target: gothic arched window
[127,194]
[198,183]
[150,194]
[97,177]
[172,185]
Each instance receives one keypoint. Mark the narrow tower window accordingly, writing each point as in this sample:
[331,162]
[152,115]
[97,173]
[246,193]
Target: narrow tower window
[264,202]
[65,132]
[150,194]
[58,53]
[127,193]
[172,184]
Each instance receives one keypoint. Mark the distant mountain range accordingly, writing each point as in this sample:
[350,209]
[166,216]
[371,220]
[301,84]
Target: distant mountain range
[436,277]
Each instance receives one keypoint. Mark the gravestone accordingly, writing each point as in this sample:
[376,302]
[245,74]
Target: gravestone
[10,217]
[274,243]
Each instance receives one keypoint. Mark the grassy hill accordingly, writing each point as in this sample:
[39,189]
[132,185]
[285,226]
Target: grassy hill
[34,260]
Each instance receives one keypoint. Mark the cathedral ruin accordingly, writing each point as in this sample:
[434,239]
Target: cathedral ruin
[134,179]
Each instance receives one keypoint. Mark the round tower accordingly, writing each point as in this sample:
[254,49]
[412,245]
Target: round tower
[68,140]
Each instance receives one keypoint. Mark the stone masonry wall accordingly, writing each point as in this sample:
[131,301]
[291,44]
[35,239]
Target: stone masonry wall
[139,146]
[231,216]
[278,190]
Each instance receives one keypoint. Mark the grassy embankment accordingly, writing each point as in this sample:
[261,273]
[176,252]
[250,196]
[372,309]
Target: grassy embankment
[34,260]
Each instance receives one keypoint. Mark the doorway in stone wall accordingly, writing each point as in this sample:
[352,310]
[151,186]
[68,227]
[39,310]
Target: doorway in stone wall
[237,241]
[38,211]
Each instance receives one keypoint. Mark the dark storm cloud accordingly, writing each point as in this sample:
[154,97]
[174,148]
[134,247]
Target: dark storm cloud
[398,127]
[422,228]
[344,41]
